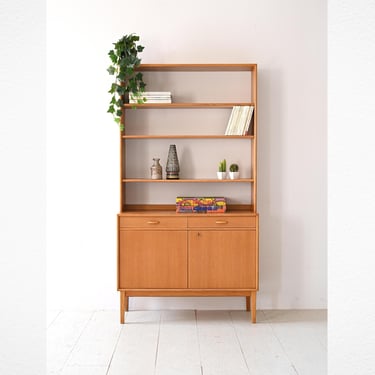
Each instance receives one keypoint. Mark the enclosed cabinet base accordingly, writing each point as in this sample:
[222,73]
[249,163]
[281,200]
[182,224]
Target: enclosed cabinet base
[168,254]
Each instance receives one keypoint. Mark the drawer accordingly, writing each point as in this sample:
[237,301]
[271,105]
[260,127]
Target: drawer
[152,222]
[222,222]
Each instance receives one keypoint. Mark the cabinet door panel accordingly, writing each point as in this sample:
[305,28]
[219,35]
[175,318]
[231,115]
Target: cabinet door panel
[153,259]
[223,259]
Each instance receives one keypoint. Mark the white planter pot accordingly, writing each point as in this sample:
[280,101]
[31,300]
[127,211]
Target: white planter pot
[234,175]
[221,175]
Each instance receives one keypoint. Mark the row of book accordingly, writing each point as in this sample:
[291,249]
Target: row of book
[151,97]
[239,120]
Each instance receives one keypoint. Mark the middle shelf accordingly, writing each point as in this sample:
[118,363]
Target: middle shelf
[185,136]
[196,180]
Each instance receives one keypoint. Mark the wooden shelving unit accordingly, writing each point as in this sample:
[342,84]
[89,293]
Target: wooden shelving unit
[162,253]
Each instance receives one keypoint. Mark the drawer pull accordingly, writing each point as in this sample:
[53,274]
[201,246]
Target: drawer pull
[221,222]
[153,222]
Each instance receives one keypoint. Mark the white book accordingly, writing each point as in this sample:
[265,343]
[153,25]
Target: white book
[150,101]
[244,120]
[248,120]
[236,110]
[150,95]
[230,122]
[240,120]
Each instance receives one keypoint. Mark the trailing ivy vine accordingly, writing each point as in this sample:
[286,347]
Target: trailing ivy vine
[125,60]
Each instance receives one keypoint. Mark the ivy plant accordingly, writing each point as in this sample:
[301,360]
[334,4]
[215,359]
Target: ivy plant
[124,61]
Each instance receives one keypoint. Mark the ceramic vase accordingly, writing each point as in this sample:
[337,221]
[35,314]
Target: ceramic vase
[156,170]
[172,168]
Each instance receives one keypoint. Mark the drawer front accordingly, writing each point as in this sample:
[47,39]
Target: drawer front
[222,222]
[152,222]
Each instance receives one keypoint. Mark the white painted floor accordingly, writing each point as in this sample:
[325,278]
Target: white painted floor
[283,342]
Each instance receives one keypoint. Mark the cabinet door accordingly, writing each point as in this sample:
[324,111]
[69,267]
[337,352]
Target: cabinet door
[153,259]
[223,259]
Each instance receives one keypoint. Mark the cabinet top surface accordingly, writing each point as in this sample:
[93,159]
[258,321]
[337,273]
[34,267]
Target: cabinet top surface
[197,67]
[175,214]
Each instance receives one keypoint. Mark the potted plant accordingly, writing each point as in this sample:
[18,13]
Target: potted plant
[125,60]
[222,172]
[234,172]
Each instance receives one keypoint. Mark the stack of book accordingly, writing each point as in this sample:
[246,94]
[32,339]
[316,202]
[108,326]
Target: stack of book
[151,97]
[200,205]
[239,120]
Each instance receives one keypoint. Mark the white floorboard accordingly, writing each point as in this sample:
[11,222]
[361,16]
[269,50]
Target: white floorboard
[137,347]
[98,341]
[220,350]
[178,339]
[63,335]
[285,342]
[294,330]
[263,352]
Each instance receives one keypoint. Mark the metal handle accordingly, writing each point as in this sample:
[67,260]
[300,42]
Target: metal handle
[153,222]
[221,222]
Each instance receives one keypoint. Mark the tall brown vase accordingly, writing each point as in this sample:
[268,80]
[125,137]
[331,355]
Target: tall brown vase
[172,168]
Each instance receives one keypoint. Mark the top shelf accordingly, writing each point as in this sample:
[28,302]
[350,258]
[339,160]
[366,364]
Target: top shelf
[196,67]
[186,105]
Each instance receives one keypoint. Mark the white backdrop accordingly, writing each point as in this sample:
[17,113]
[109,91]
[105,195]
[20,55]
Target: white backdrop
[288,41]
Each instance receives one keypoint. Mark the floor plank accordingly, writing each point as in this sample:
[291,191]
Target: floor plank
[84,370]
[302,346]
[220,351]
[97,342]
[51,316]
[178,349]
[262,350]
[62,336]
[137,346]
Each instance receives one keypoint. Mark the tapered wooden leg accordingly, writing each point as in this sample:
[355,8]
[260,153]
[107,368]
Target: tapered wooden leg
[123,306]
[247,303]
[253,307]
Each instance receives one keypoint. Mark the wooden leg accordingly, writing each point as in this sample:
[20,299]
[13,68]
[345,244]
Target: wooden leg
[123,303]
[253,307]
[247,303]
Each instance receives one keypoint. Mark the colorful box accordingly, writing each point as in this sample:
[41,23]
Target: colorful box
[201,205]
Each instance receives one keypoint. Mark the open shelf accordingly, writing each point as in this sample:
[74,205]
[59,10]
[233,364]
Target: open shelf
[186,136]
[196,180]
[185,105]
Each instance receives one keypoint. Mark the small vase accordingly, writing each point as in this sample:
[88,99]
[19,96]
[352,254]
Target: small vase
[156,170]
[172,168]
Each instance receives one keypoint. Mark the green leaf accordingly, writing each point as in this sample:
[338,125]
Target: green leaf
[111,70]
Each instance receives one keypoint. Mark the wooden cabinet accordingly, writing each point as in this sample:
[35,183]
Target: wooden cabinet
[164,253]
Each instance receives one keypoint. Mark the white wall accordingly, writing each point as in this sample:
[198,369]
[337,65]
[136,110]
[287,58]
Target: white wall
[288,41]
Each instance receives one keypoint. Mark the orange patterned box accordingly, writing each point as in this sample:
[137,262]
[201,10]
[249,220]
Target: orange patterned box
[201,205]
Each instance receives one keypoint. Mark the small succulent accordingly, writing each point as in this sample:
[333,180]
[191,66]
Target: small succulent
[223,166]
[234,168]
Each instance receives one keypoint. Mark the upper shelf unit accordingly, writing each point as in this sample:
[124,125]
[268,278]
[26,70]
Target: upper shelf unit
[202,98]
